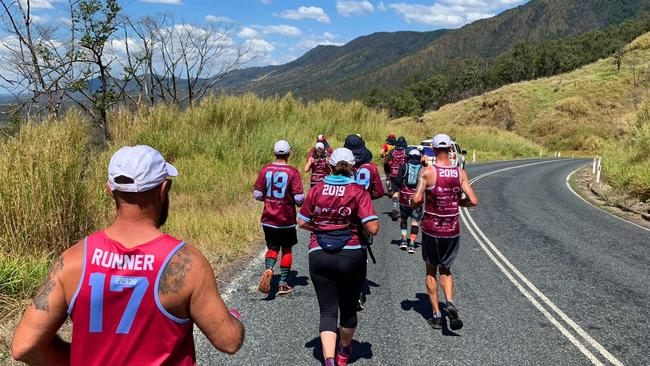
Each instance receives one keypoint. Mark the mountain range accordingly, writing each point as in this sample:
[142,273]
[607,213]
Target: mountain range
[389,59]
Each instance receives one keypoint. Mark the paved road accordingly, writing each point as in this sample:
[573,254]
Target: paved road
[553,281]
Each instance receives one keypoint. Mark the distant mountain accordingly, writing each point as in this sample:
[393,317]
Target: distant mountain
[386,60]
[329,66]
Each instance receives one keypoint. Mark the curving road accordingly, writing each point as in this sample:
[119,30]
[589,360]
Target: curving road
[542,278]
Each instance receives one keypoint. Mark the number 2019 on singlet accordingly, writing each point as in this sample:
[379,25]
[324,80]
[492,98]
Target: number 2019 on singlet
[329,190]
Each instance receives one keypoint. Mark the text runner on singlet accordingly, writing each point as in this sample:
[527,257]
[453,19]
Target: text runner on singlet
[127,288]
[440,187]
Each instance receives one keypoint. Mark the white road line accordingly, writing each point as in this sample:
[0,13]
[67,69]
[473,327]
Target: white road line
[568,179]
[467,218]
[532,299]
[243,274]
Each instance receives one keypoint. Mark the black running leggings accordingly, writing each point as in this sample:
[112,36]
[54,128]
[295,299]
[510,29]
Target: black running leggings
[338,279]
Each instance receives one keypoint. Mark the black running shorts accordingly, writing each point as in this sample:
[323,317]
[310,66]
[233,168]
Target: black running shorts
[407,211]
[439,252]
[280,238]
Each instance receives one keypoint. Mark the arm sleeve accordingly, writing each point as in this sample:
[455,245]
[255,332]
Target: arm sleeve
[296,188]
[259,187]
[307,209]
[377,185]
[366,211]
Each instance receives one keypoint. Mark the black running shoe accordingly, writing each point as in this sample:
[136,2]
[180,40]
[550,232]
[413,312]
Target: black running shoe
[454,321]
[411,249]
[403,244]
[435,322]
[360,305]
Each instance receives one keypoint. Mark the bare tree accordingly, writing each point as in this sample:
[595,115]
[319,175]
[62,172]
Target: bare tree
[23,59]
[192,58]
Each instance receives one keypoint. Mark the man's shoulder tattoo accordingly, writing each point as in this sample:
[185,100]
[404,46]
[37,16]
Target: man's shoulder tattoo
[173,276]
[41,300]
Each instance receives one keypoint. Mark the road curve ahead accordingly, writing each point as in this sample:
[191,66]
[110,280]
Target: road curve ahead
[542,278]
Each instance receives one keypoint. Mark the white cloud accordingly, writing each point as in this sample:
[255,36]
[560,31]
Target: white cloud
[266,2]
[257,47]
[168,2]
[326,39]
[349,8]
[248,33]
[381,6]
[38,4]
[282,29]
[450,13]
[40,19]
[305,12]
[218,19]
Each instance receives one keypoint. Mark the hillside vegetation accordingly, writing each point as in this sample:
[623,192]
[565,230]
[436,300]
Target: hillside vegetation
[580,110]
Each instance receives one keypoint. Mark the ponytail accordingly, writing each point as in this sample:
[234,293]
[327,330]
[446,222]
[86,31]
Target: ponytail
[343,168]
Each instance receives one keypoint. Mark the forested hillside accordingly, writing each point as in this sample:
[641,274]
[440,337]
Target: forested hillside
[388,60]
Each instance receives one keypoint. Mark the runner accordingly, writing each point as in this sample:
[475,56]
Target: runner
[396,159]
[366,172]
[386,149]
[132,292]
[280,188]
[317,163]
[337,211]
[406,182]
[440,186]
[322,139]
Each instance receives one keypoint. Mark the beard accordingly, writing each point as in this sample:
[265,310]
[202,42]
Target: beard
[164,212]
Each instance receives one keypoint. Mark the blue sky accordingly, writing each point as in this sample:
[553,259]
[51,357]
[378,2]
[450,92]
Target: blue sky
[282,30]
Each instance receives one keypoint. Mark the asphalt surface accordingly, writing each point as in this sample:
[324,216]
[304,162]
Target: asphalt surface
[569,285]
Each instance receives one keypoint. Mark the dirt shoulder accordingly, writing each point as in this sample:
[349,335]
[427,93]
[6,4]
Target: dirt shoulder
[605,197]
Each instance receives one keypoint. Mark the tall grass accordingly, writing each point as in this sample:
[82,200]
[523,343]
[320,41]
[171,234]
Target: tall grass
[52,180]
[626,162]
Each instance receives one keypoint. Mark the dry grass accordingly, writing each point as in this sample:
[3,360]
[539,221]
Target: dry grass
[581,110]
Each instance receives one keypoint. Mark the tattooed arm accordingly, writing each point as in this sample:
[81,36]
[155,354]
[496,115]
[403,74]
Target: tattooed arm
[35,341]
[189,278]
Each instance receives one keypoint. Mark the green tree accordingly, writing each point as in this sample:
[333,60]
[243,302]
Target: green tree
[96,22]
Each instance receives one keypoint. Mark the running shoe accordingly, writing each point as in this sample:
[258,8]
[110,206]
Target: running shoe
[403,244]
[394,215]
[265,281]
[284,289]
[411,249]
[343,354]
[360,305]
[435,322]
[454,321]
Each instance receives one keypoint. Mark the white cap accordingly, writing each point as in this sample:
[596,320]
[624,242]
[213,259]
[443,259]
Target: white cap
[143,164]
[319,145]
[441,141]
[342,154]
[281,147]
[415,151]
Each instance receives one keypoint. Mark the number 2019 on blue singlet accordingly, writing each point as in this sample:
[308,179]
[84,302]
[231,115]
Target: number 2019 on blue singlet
[117,284]
[276,184]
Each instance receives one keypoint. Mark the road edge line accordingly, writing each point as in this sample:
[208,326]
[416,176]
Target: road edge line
[568,178]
